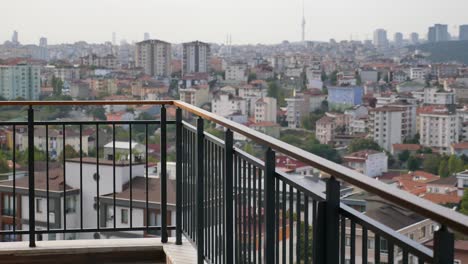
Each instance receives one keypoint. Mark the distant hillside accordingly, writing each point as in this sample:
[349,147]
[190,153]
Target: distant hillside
[446,51]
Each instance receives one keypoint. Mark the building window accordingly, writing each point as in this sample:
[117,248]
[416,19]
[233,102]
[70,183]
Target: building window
[348,241]
[7,205]
[124,216]
[39,206]
[423,232]
[383,245]
[71,204]
[370,243]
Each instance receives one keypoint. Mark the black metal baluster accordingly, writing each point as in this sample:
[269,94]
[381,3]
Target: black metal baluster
[131,173]
[390,252]
[184,180]
[255,215]
[277,219]
[81,176]
[405,257]
[14,178]
[352,240]
[236,211]
[64,147]
[244,211]
[249,208]
[444,244]
[306,228]
[343,240]
[291,224]
[332,220]
[98,178]
[298,227]
[147,212]
[113,176]
[218,203]
[364,245]
[270,206]
[210,218]
[178,176]
[163,175]
[283,222]
[260,215]
[47,178]
[377,248]
[228,199]
[31,187]
[200,192]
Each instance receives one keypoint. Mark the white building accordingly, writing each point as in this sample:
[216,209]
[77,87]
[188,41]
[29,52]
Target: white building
[196,95]
[20,80]
[439,128]
[418,73]
[236,73]
[224,104]
[265,110]
[369,162]
[385,125]
[380,38]
[155,57]
[295,111]
[196,55]
[462,184]
[434,95]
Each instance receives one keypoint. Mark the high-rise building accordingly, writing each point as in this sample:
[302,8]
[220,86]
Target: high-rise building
[14,38]
[438,33]
[196,55]
[20,80]
[114,38]
[398,39]
[43,42]
[414,37]
[463,32]
[146,36]
[380,38]
[155,57]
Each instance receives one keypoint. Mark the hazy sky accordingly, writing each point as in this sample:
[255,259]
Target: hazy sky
[248,21]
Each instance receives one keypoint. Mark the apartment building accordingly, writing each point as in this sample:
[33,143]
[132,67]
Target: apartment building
[195,95]
[434,95]
[21,80]
[236,73]
[155,57]
[196,55]
[325,130]
[345,97]
[385,124]
[439,128]
[109,61]
[295,110]
[265,110]
[368,162]
[225,104]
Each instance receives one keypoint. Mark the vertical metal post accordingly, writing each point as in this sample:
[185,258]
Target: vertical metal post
[319,255]
[200,191]
[443,246]
[270,206]
[228,198]
[179,176]
[163,176]
[332,220]
[32,202]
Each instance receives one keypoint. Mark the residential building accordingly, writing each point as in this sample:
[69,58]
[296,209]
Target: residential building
[225,105]
[398,39]
[459,149]
[315,97]
[439,128]
[295,110]
[325,130]
[397,149]
[462,184]
[155,57]
[438,33]
[265,110]
[236,73]
[196,56]
[345,97]
[369,162]
[20,81]
[380,38]
[414,37]
[435,96]
[109,61]
[385,124]
[196,95]
[463,32]
[418,73]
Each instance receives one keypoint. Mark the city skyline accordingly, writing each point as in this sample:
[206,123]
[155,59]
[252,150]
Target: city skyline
[280,21]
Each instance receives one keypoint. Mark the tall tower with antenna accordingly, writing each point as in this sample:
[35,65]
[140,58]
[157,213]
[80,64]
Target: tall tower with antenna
[303,21]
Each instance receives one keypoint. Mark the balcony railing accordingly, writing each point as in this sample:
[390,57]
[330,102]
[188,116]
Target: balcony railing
[233,207]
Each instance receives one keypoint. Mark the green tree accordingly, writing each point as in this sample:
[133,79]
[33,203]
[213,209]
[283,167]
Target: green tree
[412,164]
[455,165]
[443,169]
[361,144]
[404,156]
[334,77]
[70,153]
[98,113]
[324,76]
[3,164]
[57,85]
[464,203]
[252,77]
[431,163]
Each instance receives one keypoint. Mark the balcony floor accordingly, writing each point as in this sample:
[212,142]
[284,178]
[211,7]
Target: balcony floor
[139,251]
